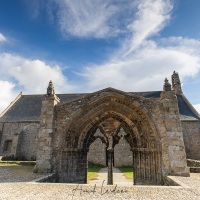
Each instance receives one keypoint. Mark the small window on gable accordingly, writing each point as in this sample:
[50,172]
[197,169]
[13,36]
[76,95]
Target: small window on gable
[8,145]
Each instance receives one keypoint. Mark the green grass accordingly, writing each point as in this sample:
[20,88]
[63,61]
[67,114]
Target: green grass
[8,165]
[26,163]
[92,171]
[127,171]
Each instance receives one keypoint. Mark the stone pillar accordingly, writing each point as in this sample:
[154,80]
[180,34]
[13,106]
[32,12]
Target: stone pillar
[110,166]
[176,149]
[44,152]
[134,167]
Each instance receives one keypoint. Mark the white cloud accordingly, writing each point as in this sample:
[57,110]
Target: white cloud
[143,70]
[32,75]
[7,94]
[143,63]
[197,107]
[151,17]
[105,18]
[2,38]
[88,18]
[29,76]
[146,68]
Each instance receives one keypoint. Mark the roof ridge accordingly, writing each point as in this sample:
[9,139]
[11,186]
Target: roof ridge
[147,91]
[73,93]
[85,93]
[33,94]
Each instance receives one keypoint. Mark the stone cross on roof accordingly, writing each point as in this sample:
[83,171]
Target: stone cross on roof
[176,83]
[50,89]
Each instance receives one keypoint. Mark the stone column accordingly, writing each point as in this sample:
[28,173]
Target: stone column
[176,149]
[134,167]
[110,156]
[110,166]
[44,152]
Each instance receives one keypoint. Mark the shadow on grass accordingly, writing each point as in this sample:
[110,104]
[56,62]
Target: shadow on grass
[127,171]
[93,169]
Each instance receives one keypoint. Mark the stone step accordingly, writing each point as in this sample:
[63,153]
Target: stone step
[194,169]
[193,163]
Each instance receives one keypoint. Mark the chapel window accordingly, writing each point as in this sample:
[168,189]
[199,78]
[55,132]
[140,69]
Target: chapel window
[8,145]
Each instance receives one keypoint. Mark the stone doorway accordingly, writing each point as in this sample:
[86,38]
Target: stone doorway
[97,155]
[145,154]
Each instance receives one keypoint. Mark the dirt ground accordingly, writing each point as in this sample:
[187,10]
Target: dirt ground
[17,173]
[15,183]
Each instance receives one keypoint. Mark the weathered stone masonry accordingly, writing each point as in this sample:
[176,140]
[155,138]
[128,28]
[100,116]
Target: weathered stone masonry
[153,132]
[23,137]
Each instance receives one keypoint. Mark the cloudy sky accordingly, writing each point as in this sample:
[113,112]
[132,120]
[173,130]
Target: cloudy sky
[88,45]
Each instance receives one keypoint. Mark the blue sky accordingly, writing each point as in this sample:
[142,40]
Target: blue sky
[88,45]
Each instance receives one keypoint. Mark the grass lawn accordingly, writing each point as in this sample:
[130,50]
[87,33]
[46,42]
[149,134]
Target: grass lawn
[92,171]
[128,172]
[29,164]
[16,165]
[8,165]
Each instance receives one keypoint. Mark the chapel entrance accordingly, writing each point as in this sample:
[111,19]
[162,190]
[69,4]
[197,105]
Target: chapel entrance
[97,157]
[102,119]
[145,161]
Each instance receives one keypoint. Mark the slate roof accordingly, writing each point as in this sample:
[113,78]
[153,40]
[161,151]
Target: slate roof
[28,107]
[153,94]
[185,111]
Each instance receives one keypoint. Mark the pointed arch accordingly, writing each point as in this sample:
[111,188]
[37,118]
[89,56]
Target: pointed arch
[132,116]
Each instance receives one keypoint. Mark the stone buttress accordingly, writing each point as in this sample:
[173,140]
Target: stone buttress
[44,152]
[176,149]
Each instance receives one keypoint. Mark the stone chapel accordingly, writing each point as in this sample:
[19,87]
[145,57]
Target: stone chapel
[153,132]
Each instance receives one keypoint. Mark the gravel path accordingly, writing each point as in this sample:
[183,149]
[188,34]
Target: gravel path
[118,178]
[190,190]
[17,173]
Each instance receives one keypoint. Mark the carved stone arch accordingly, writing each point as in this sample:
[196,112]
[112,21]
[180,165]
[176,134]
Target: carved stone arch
[88,131]
[102,108]
[103,102]
[128,113]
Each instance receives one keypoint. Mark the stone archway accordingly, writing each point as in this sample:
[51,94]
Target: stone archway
[109,114]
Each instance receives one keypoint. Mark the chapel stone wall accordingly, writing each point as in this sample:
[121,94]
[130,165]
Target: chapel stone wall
[1,134]
[191,136]
[122,154]
[23,137]
[97,153]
